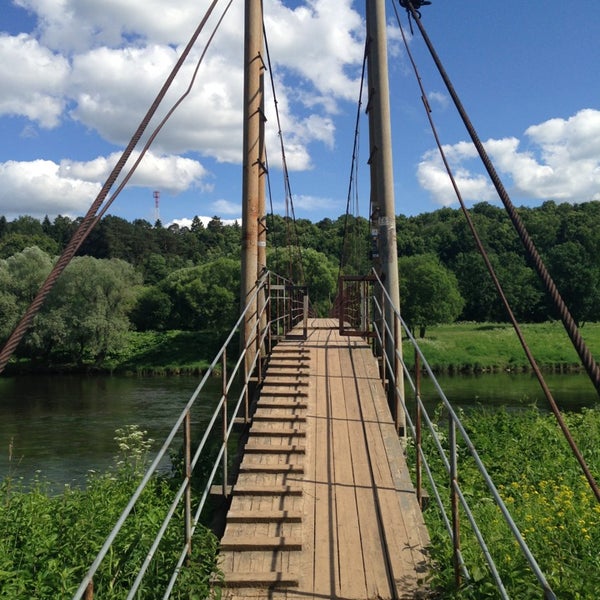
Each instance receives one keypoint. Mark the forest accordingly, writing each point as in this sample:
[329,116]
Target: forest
[135,275]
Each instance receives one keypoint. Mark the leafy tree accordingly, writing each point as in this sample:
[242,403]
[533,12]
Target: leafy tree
[86,314]
[13,243]
[204,297]
[429,292]
[577,279]
[477,289]
[311,268]
[155,268]
[152,310]
[21,276]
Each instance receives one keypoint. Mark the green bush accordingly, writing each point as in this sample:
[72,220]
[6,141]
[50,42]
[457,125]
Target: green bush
[547,495]
[49,541]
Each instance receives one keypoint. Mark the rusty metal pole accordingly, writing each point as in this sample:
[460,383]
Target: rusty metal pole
[187,454]
[225,423]
[89,591]
[262,231]
[252,155]
[382,176]
[418,427]
[454,502]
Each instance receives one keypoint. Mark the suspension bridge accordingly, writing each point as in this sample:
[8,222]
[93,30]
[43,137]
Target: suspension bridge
[321,503]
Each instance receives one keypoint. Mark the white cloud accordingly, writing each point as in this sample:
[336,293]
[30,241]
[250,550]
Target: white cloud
[562,163]
[33,79]
[310,203]
[226,207]
[442,100]
[38,188]
[172,174]
[74,25]
[43,187]
[185,222]
[329,57]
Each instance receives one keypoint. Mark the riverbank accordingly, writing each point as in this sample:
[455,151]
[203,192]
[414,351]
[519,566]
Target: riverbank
[142,353]
[455,348]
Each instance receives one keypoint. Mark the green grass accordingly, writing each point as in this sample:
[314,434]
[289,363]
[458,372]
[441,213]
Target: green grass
[49,541]
[469,347]
[169,352]
[545,492]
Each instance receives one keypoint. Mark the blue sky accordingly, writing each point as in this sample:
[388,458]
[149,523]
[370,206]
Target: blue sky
[77,76]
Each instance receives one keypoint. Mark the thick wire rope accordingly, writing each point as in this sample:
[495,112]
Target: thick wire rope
[570,326]
[289,201]
[352,180]
[547,393]
[90,220]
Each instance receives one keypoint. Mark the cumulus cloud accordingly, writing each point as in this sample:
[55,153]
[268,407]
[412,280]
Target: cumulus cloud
[309,203]
[561,162]
[73,25]
[187,222]
[225,207]
[43,187]
[33,80]
[38,188]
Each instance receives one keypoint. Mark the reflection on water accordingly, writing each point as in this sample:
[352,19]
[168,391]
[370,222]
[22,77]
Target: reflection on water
[65,426]
[571,391]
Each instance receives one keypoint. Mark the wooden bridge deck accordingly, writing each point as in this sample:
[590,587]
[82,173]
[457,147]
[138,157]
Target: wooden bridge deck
[323,506]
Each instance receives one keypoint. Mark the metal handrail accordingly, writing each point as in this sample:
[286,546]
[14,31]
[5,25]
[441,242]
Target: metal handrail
[276,317]
[382,330]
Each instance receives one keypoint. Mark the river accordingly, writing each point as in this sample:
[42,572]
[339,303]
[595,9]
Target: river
[64,426]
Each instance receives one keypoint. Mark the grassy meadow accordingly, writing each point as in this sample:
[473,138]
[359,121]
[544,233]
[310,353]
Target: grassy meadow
[470,347]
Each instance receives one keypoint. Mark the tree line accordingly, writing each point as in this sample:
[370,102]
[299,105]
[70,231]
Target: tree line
[143,276]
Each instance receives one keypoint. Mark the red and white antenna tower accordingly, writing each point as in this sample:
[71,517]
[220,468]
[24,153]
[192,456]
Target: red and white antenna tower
[156,195]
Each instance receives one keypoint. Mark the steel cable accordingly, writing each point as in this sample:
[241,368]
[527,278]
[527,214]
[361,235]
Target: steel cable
[352,183]
[289,201]
[547,393]
[570,326]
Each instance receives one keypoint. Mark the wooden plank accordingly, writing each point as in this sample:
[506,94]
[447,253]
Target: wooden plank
[260,543]
[283,393]
[325,527]
[251,516]
[274,449]
[267,579]
[377,578]
[257,490]
[282,403]
[277,432]
[270,468]
[278,416]
[350,581]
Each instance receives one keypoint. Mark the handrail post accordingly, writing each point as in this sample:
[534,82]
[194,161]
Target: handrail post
[399,415]
[418,429]
[454,502]
[187,457]
[341,305]
[269,307]
[305,316]
[89,591]
[225,420]
[258,353]
[383,342]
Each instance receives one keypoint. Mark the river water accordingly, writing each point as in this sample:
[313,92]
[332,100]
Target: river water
[64,426]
